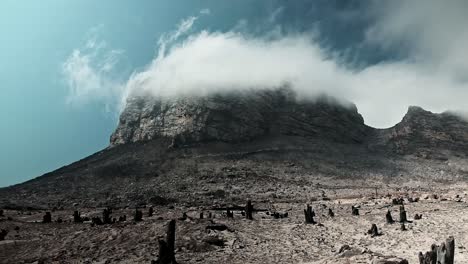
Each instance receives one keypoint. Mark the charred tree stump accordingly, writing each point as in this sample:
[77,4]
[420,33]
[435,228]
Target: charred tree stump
[150,211]
[210,215]
[201,215]
[229,213]
[331,213]
[417,216]
[389,217]
[138,216]
[443,254]
[355,210]
[77,217]
[1,212]
[403,217]
[106,216]
[403,227]
[374,231]
[3,234]
[249,210]
[47,218]
[166,247]
[309,215]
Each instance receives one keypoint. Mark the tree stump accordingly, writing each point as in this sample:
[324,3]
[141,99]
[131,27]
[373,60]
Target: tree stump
[249,210]
[403,217]
[403,227]
[389,217]
[374,231]
[201,215]
[150,211]
[3,234]
[229,213]
[417,216]
[443,254]
[166,247]
[47,218]
[331,213]
[77,217]
[138,216]
[355,210]
[1,212]
[309,215]
[106,216]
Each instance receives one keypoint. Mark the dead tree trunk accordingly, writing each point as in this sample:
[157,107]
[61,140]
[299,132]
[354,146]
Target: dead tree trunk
[389,217]
[138,215]
[77,217]
[47,218]
[374,231]
[106,216]
[309,215]
[355,210]
[150,211]
[166,247]
[403,217]
[248,210]
[229,213]
[3,234]
[443,254]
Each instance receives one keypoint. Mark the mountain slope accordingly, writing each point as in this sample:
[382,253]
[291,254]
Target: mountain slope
[224,148]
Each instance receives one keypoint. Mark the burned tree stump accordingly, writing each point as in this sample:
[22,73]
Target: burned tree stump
[403,227]
[249,210]
[106,216]
[210,215]
[355,210]
[309,215]
[417,216]
[1,212]
[229,213]
[374,231]
[47,218]
[443,254]
[77,217]
[150,211]
[201,215]
[166,247]
[403,217]
[389,217]
[138,216]
[3,234]
[331,213]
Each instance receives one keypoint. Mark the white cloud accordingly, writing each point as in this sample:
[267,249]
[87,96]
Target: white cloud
[205,11]
[432,76]
[89,75]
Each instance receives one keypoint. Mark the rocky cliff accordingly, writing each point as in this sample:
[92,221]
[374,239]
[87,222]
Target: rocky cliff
[238,117]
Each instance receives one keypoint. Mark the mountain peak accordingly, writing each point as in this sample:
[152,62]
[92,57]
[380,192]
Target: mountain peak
[238,117]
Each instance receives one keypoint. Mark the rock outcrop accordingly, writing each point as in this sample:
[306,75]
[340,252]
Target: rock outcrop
[427,134]
[238,117]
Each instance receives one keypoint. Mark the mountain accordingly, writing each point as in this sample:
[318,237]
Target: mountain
[222,148]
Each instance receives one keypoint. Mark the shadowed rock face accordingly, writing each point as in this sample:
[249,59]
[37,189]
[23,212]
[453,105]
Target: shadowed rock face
[427,134]
[238,117]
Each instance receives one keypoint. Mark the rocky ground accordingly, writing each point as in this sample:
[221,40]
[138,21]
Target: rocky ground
[262,240]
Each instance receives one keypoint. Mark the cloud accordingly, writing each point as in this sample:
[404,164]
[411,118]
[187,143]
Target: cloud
[431,71]
[205,11]
[89,74]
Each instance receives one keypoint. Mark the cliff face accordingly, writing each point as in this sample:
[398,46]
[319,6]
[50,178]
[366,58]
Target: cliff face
[238,117]
[428,134]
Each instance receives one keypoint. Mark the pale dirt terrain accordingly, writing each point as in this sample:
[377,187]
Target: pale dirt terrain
[263,240]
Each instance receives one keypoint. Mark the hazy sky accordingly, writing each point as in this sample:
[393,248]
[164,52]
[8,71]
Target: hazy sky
[66,67]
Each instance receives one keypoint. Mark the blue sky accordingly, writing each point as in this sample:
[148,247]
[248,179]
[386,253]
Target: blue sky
[362,46]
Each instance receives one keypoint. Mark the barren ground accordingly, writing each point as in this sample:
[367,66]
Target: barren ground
[263,240]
